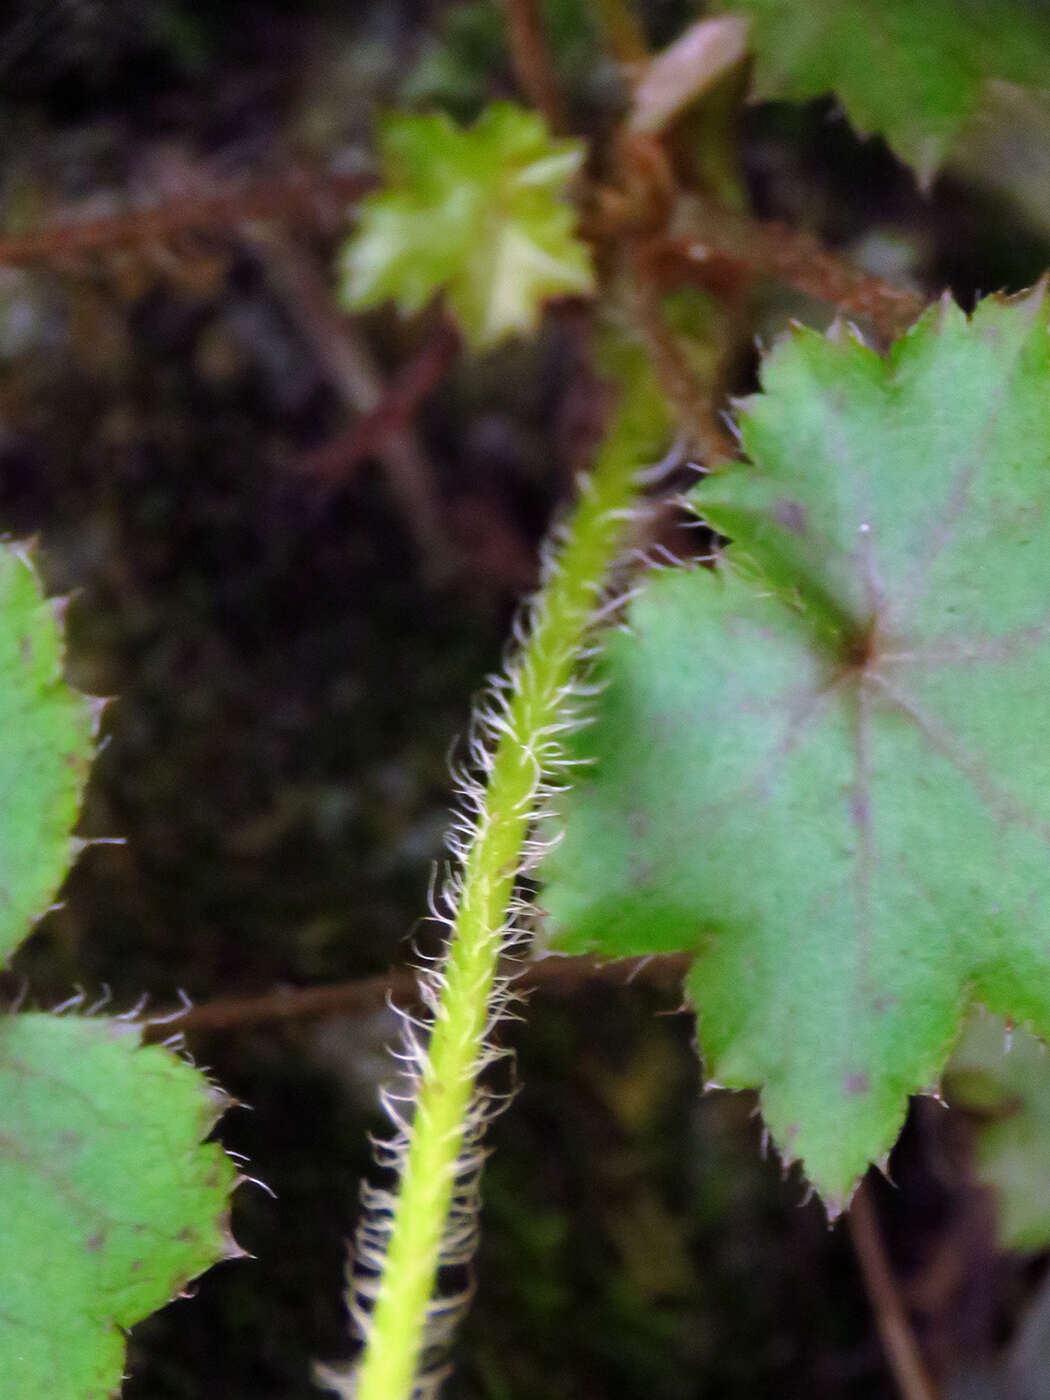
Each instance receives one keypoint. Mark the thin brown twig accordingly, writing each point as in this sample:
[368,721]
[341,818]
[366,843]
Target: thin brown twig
[533,62]
[400,987]
[414,382]
[347,361]
[296,193]
[898,1340]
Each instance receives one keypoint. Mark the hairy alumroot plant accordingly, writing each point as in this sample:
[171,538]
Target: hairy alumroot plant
[822,768]
[420,1235]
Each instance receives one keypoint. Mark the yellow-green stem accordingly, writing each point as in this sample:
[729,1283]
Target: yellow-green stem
[562,615]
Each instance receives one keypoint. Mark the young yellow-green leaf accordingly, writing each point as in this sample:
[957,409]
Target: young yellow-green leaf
[1004,1078]
[479,212]
[824,766]
[44,755]
[910,70]
[111,1205]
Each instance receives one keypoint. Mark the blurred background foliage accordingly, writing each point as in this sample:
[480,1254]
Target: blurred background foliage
[295,641]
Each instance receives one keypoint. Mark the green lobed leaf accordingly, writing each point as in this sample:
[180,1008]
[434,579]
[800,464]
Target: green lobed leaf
[111,1203]
[1004,1079]
[824,765]
[912,72]
[45,755]
[478,212]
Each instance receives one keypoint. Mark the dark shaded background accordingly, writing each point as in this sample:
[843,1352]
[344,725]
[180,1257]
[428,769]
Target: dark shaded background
[293,658]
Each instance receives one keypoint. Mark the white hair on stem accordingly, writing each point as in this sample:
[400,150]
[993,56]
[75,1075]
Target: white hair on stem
[409,1279]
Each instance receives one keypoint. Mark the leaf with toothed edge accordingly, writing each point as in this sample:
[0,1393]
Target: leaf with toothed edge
[112,1205]
[47,745]
[824,765]
[913,73]
[479,212]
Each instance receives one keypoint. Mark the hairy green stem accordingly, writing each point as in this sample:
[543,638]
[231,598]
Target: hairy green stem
[441,1145]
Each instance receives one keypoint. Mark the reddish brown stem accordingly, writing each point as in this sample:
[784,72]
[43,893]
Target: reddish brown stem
[533,64]
[728,249]
[898,1340]
[337,460]
[726,252]
[401,987]
[693,401]
[347,360]
[296,193]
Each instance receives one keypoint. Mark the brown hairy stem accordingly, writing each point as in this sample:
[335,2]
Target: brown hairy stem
[722,253]
[727,249]
[693,402]
[295,193]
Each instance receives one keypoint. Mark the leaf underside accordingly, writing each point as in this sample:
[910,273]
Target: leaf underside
[45,753]
[913,73]
[111,1203]
[824,765]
